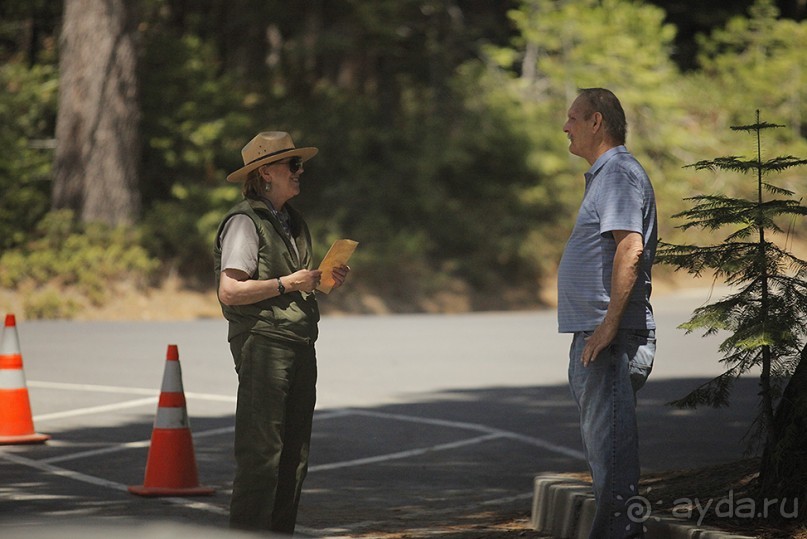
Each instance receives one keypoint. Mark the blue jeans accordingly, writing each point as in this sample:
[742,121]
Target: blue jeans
[605,393]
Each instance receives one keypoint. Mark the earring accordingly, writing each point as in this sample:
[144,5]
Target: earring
[267,186]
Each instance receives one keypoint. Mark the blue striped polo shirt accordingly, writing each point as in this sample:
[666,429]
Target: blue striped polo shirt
[618,196]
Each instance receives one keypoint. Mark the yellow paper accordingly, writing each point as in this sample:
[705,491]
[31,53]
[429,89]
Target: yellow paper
[339,253]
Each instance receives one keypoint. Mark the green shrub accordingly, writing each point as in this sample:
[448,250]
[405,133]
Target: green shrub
[180,232]
[90,260]
[27,119]
[49,303]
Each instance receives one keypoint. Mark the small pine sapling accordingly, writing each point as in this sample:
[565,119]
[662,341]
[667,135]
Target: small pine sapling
[764,315]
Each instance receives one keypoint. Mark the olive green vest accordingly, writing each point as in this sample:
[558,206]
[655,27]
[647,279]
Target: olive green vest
[292,316]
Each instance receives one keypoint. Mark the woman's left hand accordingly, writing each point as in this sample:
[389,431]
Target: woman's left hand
[339,274]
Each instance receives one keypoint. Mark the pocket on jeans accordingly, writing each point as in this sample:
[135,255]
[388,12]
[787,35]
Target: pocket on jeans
[643,346]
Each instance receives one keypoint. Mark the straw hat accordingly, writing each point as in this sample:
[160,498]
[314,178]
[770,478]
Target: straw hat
[268,147]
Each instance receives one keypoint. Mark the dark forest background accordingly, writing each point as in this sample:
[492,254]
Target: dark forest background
[439,124]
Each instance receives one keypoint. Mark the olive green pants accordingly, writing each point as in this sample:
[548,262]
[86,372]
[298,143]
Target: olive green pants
[276,397]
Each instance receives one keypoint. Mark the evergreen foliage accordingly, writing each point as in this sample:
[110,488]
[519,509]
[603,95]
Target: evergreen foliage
[438,122]
[765,312]
[27,117]
[91,259]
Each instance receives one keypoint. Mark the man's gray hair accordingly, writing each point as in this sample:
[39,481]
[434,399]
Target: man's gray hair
[606,103]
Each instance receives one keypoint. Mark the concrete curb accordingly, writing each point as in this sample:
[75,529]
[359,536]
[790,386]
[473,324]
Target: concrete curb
[563,508]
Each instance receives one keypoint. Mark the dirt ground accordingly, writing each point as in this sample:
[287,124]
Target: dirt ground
[485,525]
[172,300]
[663,490]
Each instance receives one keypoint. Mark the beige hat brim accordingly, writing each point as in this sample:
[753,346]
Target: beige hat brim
[241,174]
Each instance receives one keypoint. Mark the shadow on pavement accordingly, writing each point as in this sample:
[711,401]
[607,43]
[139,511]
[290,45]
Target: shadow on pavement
[447,458]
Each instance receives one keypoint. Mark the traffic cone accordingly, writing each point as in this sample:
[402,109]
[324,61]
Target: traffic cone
[16,422]
[171,465]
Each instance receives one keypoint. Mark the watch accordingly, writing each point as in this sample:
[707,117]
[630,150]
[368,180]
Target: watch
[280,288]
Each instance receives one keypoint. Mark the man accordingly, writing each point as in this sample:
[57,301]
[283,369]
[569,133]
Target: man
[604,289]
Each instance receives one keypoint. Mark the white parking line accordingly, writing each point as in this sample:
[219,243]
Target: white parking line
[78,476]
[129,445]
[490,433]
[46,465]
[530,440]
[93,388]
[96,409]
[128,404]
[62,472]
[91,453]
[402,454]
[122,390]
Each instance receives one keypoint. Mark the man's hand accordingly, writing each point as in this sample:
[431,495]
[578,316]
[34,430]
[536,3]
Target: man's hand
[602,337]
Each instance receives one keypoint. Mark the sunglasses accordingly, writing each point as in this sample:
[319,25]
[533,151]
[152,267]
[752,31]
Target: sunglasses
[295,164]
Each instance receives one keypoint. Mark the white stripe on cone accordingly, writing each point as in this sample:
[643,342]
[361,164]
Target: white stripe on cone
[171,418]
[12,379]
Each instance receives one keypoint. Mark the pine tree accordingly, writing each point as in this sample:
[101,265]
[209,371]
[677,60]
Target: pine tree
[765,312]
[95,165]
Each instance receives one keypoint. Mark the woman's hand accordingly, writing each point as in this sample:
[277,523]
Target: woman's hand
[339,274]
[303,280]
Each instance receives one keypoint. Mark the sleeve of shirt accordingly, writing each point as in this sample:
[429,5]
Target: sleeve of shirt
[239,245]
[620,202]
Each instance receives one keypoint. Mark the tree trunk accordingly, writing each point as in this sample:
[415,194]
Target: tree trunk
[783,472]
[97,131]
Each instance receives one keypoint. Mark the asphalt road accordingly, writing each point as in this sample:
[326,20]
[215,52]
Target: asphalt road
[421,420]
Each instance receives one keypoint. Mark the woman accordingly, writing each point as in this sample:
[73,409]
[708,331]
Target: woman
[266,289]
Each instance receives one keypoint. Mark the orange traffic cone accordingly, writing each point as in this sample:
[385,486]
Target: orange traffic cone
[171,465]
[16,422]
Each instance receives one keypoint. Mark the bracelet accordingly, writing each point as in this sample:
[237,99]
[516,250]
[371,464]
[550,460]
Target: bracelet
[280,288]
